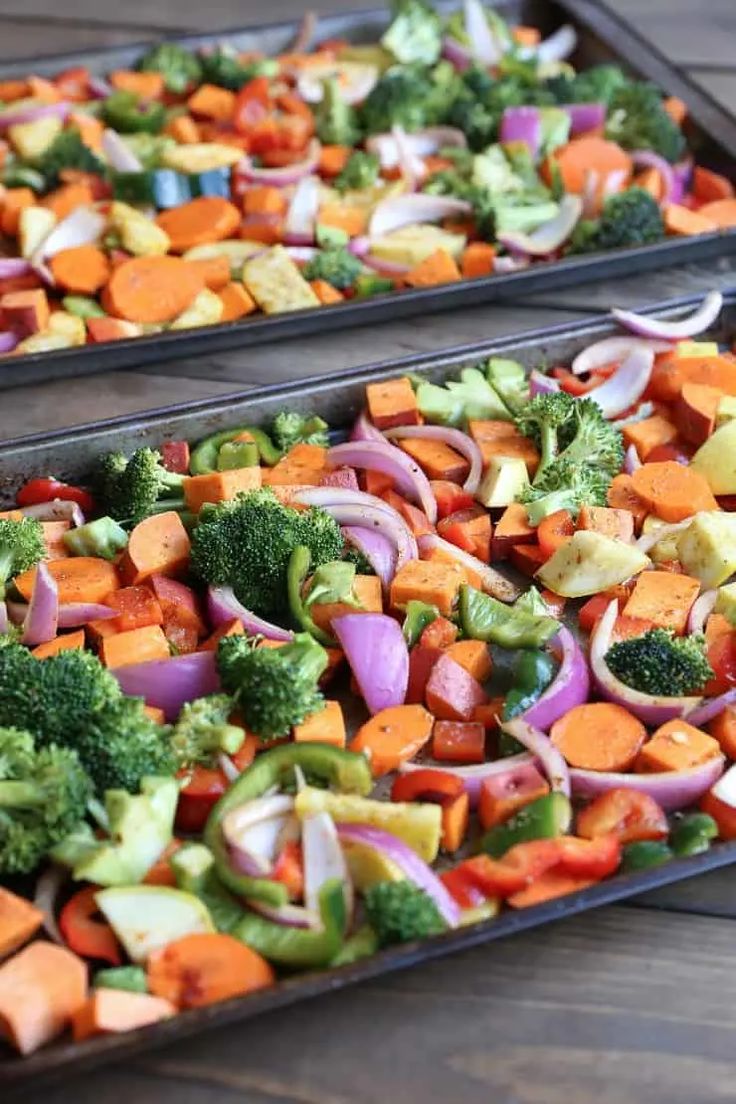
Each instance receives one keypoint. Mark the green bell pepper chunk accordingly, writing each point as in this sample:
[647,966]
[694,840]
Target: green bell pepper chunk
[82,307]
[204,457]
[102,537]
[485,618]
[361,944]
[164,188]
[124,112]
[644,855]
[296,575]
[237,454]
[131,979]
[418,616]
[692,834]
[298,948]
[546,818]
[21,176]
[368,284]
[346,770]
[533,672]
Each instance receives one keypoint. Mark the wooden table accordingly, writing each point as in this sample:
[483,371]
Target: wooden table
[630,1005]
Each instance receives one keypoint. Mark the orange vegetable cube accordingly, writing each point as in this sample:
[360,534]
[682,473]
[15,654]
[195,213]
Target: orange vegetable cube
[392,403]
[219,486]
[663,598]
[327,726]
[431,581]
[136,646]
[676,746]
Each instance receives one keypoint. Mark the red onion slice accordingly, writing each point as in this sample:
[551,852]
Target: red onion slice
[558,46]
[375,648]
[412,167]
[522,124]
[119,154]
[59,509]
[74,614]
[473,775]
[359,246]
[31,113]
[585,117]
[409,478]
[280,177]
[539,384]
[391,214]
[11,267]
[414,868]
[670,789]
[626,386]
[647,541]
[4,619]
[46,898]
[385,268]
[550,235]
[364,430]
[170,683]
[725,787]
[711,708]
[701,610]
[42,618]
[700,320]
[611,350]
[483,44]
[8,341]
[254,832]
[82,227]
[568,689]
[223,606]
[357,508]
[455,438]
[302,214]
[648,159]
[542,748]
[457,54]
[649,708]
[492,581]
[376,548]
[421,143]
[288,915]
[631,460]
[324,860]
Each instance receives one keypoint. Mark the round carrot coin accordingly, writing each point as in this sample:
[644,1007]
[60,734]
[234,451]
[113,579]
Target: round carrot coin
[152,289]
[202,969]
[600,736]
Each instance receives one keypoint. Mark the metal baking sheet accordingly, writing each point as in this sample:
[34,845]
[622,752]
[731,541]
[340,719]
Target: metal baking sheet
[603,36]
[71,453]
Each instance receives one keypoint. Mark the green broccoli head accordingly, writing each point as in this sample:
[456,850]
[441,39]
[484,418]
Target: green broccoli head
[628,218]
[400,912]
[362,565]
[290,428]
[119,745]
[451,182]
[565,486]
[542,419]
[246,543]
[223,67]
[587,438]
[335,120]
[637,119]
[21,547]
[132,488]
[401,97]
[595,85]
[68,151]
[273,688]
[203,729]
[360,172]
[415,33]
[43,796]
[658,662]
[178,66]
[478,121]
[338,266]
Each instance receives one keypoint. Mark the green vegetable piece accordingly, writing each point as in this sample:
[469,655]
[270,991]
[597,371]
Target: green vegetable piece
[658,662]
[299,948]
[193,866]
[637,119]
[291,428]
[533,672]
[629,218]
[336,121]
[296,577]
[237,454]
[330,237]
[68,151]
[21,547]
[22,176]
[131,979]
[644,855]
[223,67]
[484,618]
[83,307]
[418,616]
[345,771]
[368,284]
[361,944]
[400,912]
[164,188]
[203,730]
[133,488]
[102,537]
[415,33]
[509,380]
[124,112]
[333,582]
[360,172]
[204,456]
[338,266]
[546,818]
[178,66]
[692,834]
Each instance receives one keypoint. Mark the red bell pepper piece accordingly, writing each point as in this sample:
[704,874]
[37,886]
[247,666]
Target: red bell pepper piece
[253,105]
[86,935]
[440,633]
[450,497]
[46,489]
[289,869]
[205,786]
[426,785]
[627,814]
[175,456]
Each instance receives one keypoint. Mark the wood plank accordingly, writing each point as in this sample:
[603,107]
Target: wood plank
[720,83]
[618,1006]
[683,31]
[21,37]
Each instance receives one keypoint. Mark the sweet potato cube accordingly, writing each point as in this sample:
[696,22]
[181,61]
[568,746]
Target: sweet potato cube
[327,726]
[676,746]
[618,524]
[136,646]
[431,581]
[392,403]
[664,598]
[436,459]
[498,438]
[473,656]
[219,486]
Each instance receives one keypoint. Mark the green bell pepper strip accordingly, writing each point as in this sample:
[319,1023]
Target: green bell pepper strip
[485,618]
[693,834]
[345,770]
[237,454]
[533,672]
[298,948]
[82,307]
[204,457]
[546,818]
[645,855]
[124,112]
[296,575]
[361,944]
[131,979]
[418,616]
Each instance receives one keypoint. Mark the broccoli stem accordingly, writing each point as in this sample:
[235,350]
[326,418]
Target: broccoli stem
[20,795]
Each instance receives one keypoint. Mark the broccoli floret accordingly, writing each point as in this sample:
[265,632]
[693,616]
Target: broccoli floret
[400,911]
[202,730]
[246,543]
[658,662]
[628,218]
[223,67]
[637,119]
[478,122]
[360,172]
[21,547]
[541,419]
[400,98]
[335,120]
[415,34]
[131,489]
[290,428]
[595,85]
[179,67]
[450,182]
[68,151]
[273,688]
[565,486]
[587,438]
[43,796]
[120,744]
[362,566]
[338,266]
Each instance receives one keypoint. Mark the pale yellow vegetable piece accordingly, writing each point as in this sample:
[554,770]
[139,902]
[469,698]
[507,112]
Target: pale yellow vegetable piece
[68,325]
[31,140]
[410,245]
[590,562]
[715,460]
[34,226]
[707,548]
[201,157]
[276,283]
[138,234]
[505,478]
[206,310]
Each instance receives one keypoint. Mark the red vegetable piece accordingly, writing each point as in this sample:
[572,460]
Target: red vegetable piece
[628,814]
[46,489]
[84,933]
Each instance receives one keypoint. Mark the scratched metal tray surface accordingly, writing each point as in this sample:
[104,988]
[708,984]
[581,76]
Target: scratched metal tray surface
[71,453]
[603,37]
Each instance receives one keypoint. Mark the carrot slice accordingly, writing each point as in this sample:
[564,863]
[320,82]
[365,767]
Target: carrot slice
[153,289]
[599,736]
[590,153]
[202,220]
[41,988]
[672,491]
[392,736]
[83,269]
[722,212]
[710,186]
[158,545]
[78,578]
[548,887]
[203,969]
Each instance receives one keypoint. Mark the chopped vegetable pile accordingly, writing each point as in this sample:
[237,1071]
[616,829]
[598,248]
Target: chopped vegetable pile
[200,188]
[278,700]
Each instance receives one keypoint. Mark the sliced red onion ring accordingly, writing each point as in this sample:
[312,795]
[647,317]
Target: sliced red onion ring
[504,265]
[421,143]
[119,154]
[377,549]
[483,44]
[59,509]
[302,253]
[391,214]
[376,650]
[701,610]
[8,341]
[649,708]
[457,54]
[412,167]
[11,267]
[359,246]
[492,581]
[631,460]
[254,833]
[364,430]
[288,915]
[558,46]
[4,619]
[99,88]
[612,350]
[74,614]
[324,860]
[170,683]
[585,117]
[31,113]
[648,159]
[626,386]
[42,619]
[385,268]
[711,708]
[280,177]
[522,124]
[356,508]
[539,384]
[550,235]
[725,788]
[542,748]
[647,541]
[46,898]
[472,776]
[415,869]
[670,789]
[568,689]
[455,438]
[223,606]
[302,214]
[378,456]
[82,227]
[683,171]
[703,317]
[355,81]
